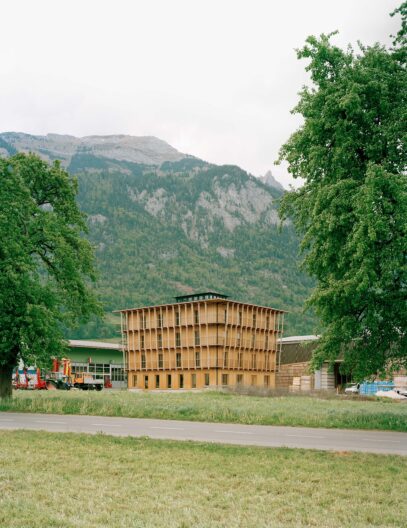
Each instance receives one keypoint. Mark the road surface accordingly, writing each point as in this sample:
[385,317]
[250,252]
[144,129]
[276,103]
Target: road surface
[381,442]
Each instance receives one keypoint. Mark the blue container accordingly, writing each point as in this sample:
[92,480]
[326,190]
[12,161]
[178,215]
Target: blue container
[369,388]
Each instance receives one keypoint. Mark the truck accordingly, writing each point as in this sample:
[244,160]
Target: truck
[62,378]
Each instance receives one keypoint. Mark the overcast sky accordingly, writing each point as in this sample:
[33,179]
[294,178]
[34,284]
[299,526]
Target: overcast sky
[216,79]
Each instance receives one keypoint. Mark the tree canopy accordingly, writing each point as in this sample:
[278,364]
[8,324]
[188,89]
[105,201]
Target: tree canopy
[46,265]
[351,152]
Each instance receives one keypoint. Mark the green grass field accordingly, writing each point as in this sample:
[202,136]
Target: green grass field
[66,480]
[212,406]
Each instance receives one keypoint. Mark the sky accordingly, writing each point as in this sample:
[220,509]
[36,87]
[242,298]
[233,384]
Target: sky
[216,79]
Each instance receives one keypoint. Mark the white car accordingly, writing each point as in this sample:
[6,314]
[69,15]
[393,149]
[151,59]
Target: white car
[353,389]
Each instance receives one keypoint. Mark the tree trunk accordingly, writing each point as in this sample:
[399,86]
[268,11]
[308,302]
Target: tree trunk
[6,372]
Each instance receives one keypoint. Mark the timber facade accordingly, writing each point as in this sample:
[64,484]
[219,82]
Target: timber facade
[202,340]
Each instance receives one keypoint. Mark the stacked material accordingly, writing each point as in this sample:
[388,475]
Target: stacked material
[306,383]
[400,382]
[296,385]
[371,388]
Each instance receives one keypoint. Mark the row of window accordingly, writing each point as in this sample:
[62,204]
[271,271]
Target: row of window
[178,360]
[115,373]
[197,340]
[181,380]
[160,319]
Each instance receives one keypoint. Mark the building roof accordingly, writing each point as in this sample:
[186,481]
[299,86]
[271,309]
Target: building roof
[79,343]
[298,339]
[200,300]
[200,296]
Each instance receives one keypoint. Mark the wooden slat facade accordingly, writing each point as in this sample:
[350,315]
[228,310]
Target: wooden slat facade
[203,343]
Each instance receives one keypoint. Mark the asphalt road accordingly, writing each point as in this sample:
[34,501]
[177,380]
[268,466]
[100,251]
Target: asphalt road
[381,442]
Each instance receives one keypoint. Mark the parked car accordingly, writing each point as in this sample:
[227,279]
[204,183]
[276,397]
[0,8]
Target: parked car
[354,388]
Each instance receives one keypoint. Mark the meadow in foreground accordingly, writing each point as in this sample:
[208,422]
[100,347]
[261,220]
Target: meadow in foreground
[67,480]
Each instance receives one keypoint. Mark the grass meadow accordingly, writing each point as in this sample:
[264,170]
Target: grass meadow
[221,407]
[66,480]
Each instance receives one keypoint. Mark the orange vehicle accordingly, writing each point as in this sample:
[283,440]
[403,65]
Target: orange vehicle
[86,381]
[62,378]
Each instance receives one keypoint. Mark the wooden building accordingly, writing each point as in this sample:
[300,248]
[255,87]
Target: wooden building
[201,340]
[294,367]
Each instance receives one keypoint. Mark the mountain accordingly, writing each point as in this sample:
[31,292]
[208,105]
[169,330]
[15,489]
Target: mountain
[146,150]
[164,223]
[268,179]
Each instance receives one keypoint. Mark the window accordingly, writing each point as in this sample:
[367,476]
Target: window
[226,359]
[266,381]
[157,381]
[224,379]
[240,319]
[181,381]
[254,320]
[177,318]
[178,359]
[143,320]
[197,338]
[134,380]
[177,339]
[160,361]
[238,339]
[196,317]
[253,340]
[266,342]
[254,379]
[239,379]
[146,382]
[143,361]
[254,361]
[117,374]
[240,360]
[267,360]
[268,322]
[169,381]
[226,316]
[142,341]
[206,379]
[193,381]
[159,340]
[159,320]
[197,359]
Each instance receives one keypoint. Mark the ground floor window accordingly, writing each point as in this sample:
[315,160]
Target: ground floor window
[193,381]
[239,379]
[157,381]
[225,379]
[146,382]
[266,381]
[181,381]
[169,381]
[207,379]
[134,380]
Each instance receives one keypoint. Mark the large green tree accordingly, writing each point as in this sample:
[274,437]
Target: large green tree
[46,265]
[351,152]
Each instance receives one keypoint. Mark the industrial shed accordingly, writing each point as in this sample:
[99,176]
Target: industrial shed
[294,362]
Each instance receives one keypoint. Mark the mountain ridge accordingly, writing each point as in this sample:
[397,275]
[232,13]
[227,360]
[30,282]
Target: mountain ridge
[184,225]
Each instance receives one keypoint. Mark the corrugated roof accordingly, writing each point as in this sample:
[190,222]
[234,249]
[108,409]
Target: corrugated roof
[298,339]
[79,343]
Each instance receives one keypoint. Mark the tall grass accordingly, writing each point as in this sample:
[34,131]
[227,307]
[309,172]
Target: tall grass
[83,481]
[213,406]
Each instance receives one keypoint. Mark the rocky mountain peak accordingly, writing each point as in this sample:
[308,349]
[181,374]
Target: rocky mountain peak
[269,179]
[147,150]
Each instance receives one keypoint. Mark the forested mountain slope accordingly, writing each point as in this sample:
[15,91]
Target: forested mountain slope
[176,226]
